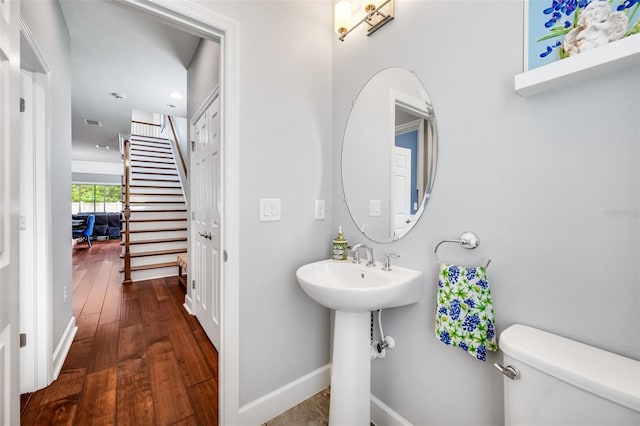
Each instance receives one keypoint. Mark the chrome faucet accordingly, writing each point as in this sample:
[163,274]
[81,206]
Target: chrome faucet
[356,254]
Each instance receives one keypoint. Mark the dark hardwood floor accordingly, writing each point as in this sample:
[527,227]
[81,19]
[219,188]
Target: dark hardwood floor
[138,357]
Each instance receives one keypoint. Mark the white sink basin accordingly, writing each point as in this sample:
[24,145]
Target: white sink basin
[351,287]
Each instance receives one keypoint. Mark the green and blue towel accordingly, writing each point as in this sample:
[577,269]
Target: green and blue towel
[464,316]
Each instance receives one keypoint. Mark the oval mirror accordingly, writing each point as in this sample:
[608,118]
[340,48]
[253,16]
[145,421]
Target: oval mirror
[389,155]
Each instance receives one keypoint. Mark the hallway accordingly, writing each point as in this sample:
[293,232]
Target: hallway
[138,357]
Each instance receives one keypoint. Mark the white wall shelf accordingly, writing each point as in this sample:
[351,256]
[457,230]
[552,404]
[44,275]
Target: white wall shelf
[621,54]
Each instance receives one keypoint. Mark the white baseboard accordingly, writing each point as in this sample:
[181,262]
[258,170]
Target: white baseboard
[280,400]
[62,349]
[187,304]
[383,415]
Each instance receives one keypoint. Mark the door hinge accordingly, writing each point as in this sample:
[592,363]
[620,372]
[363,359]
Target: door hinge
[224,255]
[22,105]
[193,284]
[193,145]
[23,340]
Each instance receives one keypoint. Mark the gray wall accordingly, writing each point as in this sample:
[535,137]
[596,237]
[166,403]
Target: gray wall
[202,75]
[285,152]
[550,184]
[45,20]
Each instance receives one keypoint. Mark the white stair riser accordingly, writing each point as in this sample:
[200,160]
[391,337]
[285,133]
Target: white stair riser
[153,168]
[149,274]
[163,145]
[138,226]
[158,162]
[161,185]
[149,260]
[141,248]
[159,206]
[141,236]
[136,178]
[142,154]
[155,190]
[167,198]
[158,215]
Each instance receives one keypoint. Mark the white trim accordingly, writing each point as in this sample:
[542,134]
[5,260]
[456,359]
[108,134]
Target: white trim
[187,304]
[97,167]
[382,414]
[204,105]
[280,400]
[208,24]
[63,347]
[43,251]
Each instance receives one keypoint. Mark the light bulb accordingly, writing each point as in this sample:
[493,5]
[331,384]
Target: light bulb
[342,16]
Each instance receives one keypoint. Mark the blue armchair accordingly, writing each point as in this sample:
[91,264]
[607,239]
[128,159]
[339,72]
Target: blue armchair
[87,232]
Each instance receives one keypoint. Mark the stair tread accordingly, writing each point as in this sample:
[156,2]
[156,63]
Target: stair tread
[155,186]
[153,161]
[156,202]
[158,211]
[156,252]
[160,194]
[155,151]
[152,266]
[155,180]
[163,143]
[140,231]
[156,241]
[171,219]
[155,173]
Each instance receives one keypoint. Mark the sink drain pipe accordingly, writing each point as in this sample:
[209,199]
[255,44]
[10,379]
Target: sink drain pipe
[378,348]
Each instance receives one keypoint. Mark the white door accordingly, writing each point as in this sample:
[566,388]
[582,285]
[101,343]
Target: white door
[9,210]
[401,187]
[205,226]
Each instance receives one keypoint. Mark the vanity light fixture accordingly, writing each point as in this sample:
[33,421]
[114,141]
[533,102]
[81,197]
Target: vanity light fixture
[377,14]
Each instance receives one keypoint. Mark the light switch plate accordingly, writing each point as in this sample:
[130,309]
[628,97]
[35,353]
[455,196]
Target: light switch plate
[375,207]
[269,209]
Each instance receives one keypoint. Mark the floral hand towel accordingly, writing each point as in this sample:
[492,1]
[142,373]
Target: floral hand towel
[464,316]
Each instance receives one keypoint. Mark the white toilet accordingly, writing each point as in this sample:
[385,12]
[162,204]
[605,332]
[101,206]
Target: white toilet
[563,382]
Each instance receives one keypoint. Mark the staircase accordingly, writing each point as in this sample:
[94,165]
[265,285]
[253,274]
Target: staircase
[155,212]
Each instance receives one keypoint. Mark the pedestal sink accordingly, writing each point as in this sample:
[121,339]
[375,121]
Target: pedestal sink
[353,290]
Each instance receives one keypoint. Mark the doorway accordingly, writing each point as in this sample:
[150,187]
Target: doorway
[209,25]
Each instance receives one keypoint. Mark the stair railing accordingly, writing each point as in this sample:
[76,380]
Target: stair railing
[141,128]
[127,212]
[177,143]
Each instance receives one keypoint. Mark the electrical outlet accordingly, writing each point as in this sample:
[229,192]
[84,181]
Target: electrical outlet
[320,210]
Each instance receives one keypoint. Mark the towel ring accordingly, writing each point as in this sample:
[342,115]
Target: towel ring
[468,240]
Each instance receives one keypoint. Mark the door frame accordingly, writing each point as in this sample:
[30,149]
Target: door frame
[208,24]
[40,254]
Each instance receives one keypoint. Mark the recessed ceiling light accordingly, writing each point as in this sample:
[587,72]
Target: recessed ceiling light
[92,122]
[103,147]
[118,95]
[171,105]
[176,95]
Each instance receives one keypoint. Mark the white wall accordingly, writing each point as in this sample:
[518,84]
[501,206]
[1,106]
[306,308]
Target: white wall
[285,152]
[550,184]
[46,22]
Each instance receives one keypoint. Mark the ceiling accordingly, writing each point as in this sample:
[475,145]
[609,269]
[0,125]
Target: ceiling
[115,48]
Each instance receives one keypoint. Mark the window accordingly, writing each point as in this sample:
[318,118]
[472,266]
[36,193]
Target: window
[95,198]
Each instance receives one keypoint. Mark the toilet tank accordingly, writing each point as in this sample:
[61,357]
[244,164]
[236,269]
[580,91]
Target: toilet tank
[563,382]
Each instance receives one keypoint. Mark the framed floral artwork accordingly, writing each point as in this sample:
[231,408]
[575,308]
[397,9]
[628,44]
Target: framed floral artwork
[557,29]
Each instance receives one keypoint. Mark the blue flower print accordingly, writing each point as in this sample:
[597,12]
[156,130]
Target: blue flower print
[454,311]
[463,345]
[481,353]
[470,322]
[471,273]
[470,302]
[442,310]
[491,332]
[483,284]
[440,284]
[445,338]
[454,272]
